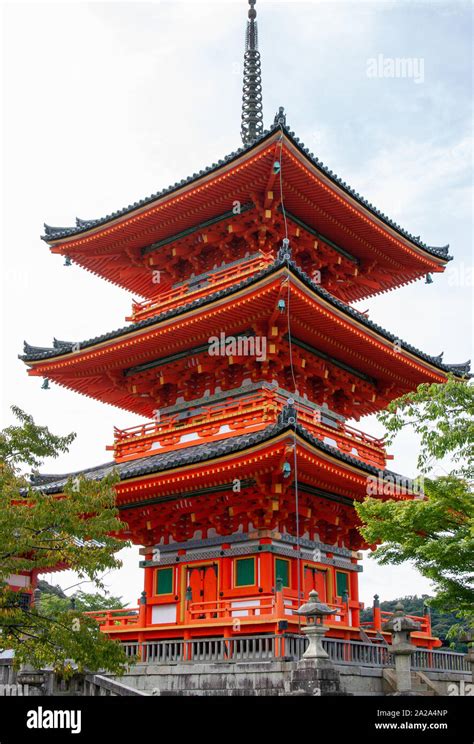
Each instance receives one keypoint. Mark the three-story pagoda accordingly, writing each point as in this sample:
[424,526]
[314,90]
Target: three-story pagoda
[246,358]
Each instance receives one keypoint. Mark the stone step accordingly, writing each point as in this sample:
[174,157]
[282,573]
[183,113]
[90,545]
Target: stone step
[420,687]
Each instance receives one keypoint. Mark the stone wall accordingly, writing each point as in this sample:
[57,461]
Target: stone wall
[251,678]
[257,678]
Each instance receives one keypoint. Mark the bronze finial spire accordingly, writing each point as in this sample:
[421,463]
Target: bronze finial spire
[252,109]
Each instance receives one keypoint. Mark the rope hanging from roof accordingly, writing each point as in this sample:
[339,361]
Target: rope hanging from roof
[285,253]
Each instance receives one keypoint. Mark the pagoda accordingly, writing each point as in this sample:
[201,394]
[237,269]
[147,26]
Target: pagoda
[247,360]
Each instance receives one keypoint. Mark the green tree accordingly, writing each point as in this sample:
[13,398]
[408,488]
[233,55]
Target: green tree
[441,622]
[52,603]
[39,531]
[437,532]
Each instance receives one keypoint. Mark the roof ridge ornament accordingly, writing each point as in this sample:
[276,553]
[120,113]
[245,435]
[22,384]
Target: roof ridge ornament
[252,106]
[284,251]
[443,250]
[463,368]
[29,349]
[50,231]
[280,117]
[288,414]
[58,344]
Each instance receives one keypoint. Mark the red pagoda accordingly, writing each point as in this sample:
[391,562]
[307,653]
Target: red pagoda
[247,360]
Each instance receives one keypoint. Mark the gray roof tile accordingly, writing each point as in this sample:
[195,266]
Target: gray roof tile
[54,233]
[34,353]
[196,454]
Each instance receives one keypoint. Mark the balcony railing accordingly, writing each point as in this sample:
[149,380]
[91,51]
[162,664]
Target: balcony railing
[230,608]
[204,420]
[244,648]
[440,661]
[116,618]
[254,410]
[382,616]
[186,292]
[285,646]
[271,608]
[246,608]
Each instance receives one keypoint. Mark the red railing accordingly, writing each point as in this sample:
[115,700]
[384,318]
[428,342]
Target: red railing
[268,608]
[344,437]
[217,280]
[232,607]
[255,410]
[242,411]
[245,608]
[381,617]
[122,617]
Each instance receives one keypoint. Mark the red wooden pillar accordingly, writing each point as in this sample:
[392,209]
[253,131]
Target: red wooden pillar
[187,605]
[187,649]
[279,604]
[354,595]
[226,571]
[141,650]
[377,616]
[142,610]
[148,580]
[266,572]
[427,614]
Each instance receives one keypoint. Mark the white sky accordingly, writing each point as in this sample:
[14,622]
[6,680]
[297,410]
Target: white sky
[105,103]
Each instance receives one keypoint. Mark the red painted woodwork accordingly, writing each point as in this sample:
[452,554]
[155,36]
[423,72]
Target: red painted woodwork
[250,412]
[315,578]
[101,371]
[246,610]
[113,251]
[203,581]
[322,361]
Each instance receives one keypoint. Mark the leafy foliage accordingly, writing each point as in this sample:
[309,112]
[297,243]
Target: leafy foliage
[436,533]
[64,640]
[52,603]
[441,622]
[39,532]
[28,443]
[443,417]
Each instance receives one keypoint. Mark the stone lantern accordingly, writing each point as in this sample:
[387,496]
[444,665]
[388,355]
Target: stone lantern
[315,612]
[315,673]
[401,627]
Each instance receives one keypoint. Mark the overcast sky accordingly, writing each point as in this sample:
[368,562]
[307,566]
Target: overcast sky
[105,103]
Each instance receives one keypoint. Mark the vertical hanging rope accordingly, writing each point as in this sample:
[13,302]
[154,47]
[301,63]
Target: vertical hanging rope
[295,390]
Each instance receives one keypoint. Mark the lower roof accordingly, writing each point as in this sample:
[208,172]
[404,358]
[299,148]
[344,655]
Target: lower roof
[60,348]
[206,452]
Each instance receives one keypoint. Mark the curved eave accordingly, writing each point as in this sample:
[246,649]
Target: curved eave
[43,358]
[361,205]
[114,223]
[73,237]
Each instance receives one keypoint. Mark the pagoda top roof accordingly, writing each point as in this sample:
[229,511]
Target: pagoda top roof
[35,353]
[54,234]
[197,453]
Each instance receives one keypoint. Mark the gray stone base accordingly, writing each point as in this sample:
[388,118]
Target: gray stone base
[320,678]
[267,678]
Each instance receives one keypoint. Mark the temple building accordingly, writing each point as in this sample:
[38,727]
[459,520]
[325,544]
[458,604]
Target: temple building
[250,365]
